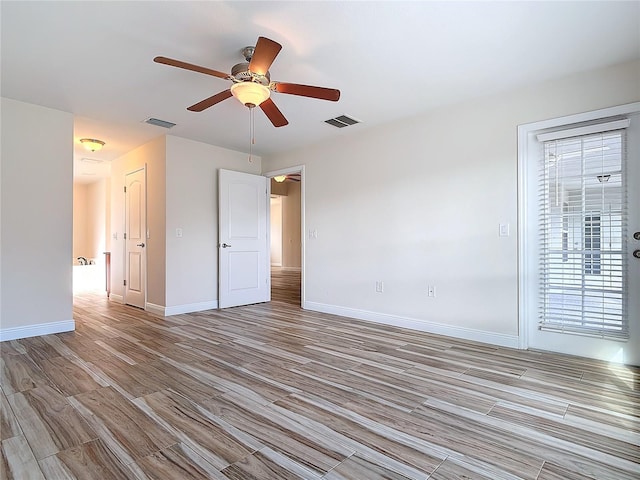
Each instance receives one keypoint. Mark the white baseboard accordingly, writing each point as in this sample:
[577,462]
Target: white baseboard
[15,333]
[116,298]
[499,339]
[153,308]
[178,309]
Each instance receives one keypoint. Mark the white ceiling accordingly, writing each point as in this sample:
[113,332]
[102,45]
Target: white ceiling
[390,60]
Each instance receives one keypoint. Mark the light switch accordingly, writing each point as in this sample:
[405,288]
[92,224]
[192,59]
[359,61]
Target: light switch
[179,232]
[504,229]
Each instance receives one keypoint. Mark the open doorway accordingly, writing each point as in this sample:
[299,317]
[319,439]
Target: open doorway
[91,216]
[286,237]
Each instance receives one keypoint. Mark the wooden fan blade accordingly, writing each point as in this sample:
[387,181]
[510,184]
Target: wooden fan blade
[273,113]
[308,91]
[210,102]
[189,66]
[264,54]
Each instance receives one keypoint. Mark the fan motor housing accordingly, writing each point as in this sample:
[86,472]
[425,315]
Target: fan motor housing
[240,72]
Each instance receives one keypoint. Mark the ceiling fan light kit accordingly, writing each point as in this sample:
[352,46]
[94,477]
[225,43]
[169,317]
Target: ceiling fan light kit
[92,144]
[252,84]
[250,94]
[280,178]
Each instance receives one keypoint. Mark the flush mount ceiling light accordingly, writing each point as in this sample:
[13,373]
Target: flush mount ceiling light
[92,144]
[250,94]
[280,178]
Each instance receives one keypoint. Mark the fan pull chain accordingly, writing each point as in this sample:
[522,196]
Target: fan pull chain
[252,133]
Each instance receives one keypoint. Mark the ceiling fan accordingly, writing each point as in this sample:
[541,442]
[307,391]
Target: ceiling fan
[291,177]
[252,84]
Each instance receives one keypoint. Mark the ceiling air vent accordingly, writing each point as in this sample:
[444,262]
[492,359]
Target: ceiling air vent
[342,121]
[159,123]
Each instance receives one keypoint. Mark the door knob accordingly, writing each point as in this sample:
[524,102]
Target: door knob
[225,245]
[636,235]
[636,253]
[140,245]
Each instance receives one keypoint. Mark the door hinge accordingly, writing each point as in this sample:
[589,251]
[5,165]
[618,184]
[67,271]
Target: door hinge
[125,283]
[125,189]
[125,235]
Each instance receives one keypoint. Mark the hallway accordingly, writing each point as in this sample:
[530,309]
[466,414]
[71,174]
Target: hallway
[286,285]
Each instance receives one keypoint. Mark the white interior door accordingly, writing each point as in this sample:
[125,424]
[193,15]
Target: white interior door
[589,242]
[243,264]
[633,237]
[135,243]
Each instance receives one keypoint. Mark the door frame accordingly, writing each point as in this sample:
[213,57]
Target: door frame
[528,150]
[287,171]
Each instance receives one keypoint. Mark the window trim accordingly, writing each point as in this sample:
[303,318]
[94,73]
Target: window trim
[528,149]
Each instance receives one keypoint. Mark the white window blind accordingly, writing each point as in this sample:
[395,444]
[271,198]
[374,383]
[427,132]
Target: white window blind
[582,227]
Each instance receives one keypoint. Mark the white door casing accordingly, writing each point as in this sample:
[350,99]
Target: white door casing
[243,250]
[531,336]
[135,243]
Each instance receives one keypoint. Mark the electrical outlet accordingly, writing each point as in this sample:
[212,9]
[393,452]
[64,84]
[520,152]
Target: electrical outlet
[431,290]
[379,286]
[178,232]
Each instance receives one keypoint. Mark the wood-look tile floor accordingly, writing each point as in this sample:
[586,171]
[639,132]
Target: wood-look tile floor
[274,392]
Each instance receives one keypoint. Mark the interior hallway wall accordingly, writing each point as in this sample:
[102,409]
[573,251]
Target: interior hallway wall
[91,212]
[276,230]
[151,156]
[291,224]
[97,219]
[80,230]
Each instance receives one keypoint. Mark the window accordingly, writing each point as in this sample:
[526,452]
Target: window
[592,245]
[582,219]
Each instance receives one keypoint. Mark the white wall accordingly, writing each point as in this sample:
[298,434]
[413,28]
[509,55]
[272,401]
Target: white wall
[80,229]
[276,230]
[291,217]
[90,218]
[36,204]
[419,203]
[192,205]
[97,219]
